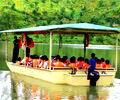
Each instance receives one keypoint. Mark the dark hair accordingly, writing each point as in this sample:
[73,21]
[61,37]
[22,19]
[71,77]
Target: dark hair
[64,60]
[93,55]
[87,61]
[80,59]
[31,56]
[45,58]
[107,61]
[35,56]
[65,57]
[72,59]
[102,59]
[19,59]
[98,61]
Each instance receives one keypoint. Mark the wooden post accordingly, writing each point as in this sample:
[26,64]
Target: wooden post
[116,51]
[50,47]
[6,48]
[59,43]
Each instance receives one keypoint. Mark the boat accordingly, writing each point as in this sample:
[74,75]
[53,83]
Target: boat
[60,75]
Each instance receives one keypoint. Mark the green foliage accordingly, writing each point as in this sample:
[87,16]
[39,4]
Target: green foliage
[16,14]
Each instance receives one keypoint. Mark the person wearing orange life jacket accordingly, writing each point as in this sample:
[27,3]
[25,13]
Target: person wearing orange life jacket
[102,63]
[35,61]
[41,62]
[30,63]
[73,65]
[85,65]
[18,61]
[98,63]
[58,62]
[25,60]
[65,58]
[73,62]
[107,64]
[52,61]
[45,65]
[80,62]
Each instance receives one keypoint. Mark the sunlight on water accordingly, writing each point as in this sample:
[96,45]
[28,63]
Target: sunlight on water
[19,87]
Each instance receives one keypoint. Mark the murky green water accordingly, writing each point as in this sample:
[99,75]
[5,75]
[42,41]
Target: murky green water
[18,87]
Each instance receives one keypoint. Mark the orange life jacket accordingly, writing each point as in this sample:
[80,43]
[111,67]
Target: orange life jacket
[35,63]
[108,66]
[84,66]
[103,65]
[67,61]
[98,65]
[59,64]
[73,65]
[49,64]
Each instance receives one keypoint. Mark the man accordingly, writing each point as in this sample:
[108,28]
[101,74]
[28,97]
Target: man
[92,64]
[15,49]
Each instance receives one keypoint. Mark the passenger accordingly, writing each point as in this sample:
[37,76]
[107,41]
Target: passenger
[45,65]
[58,62]
[40,59]
[35,61]
[102,63]
[66,60]
[85,65]
[107,64]
[73,65]
[18,61]
[73,62]
[96,59]
[98,63]
[92,65]
[52,60]
[80,62]
[30,63]
[25,60]
[42,62]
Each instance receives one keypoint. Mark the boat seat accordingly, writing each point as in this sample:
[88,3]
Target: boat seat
[61,68]
[105,69]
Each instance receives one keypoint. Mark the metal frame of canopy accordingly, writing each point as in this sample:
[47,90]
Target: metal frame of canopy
[81,28]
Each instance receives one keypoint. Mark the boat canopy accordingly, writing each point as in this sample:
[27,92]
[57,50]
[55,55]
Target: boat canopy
[79,28]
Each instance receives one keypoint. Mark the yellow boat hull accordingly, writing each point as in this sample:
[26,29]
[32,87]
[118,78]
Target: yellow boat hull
[61,76]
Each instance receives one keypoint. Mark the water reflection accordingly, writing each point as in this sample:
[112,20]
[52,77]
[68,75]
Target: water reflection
[19,87]
[31,88]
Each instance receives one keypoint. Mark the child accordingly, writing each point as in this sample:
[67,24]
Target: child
[18,61]
[80,62]
[107,64]
[98,63]
[102,63]
[85,65]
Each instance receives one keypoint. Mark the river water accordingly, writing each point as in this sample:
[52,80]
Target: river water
[19,87]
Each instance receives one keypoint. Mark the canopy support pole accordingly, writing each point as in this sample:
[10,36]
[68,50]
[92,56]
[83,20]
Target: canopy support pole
[50,47]
[116,51]
[84,47]
[59,43]
[6,48]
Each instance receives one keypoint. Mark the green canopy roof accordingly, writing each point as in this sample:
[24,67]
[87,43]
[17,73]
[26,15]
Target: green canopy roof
[79,28]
